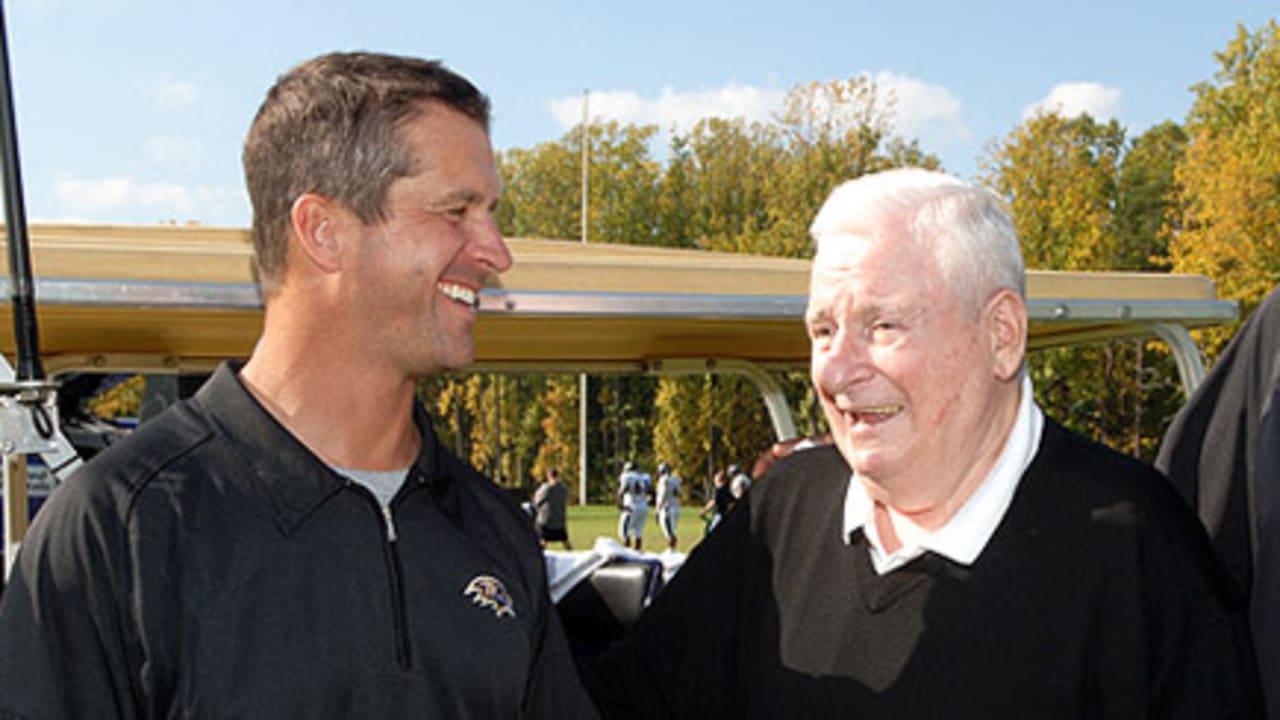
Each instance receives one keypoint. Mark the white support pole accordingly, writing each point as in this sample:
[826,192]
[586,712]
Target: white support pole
[582,377]
[1185,353]
[775,400]
[15,507]
[582,438]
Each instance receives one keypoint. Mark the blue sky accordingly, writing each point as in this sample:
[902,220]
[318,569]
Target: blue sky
[133,111]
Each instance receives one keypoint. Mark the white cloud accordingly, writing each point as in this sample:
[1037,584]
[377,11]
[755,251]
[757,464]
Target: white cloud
[169,93]
[1077,98]
[125,199]
[922,110]
[672,107]
[173,153]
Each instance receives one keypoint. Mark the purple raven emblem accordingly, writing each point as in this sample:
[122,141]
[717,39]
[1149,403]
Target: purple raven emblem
[488,591]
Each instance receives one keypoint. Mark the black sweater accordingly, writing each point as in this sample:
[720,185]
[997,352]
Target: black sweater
[1098,596]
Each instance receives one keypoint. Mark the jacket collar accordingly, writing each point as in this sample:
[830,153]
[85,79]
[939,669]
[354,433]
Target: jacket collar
[294,479]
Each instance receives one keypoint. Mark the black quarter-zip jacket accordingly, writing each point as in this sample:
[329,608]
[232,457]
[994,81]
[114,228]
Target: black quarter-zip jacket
[211,566]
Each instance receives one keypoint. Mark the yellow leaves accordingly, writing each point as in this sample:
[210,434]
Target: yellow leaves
[703,422]
[1059,177]
[1230,180]
[1062,180]
[837,112]
[559,447]
[681,424]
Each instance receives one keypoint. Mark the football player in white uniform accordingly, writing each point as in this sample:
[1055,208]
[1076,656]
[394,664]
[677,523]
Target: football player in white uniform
[668,503]
[633,497]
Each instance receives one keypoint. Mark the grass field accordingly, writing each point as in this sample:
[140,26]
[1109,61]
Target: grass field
[587,522]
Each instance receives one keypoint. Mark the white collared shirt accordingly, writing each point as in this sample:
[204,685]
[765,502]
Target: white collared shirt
[964,536]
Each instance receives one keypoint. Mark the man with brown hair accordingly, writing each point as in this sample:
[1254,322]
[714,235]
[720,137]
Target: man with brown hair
[294,541]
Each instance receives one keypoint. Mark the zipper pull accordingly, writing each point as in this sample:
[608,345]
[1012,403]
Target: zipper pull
[391,523]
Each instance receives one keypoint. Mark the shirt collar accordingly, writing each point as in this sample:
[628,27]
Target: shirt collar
[964,536]
[293,478]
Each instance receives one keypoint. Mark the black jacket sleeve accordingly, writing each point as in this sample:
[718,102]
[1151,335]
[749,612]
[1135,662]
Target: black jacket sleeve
[65,646]
[680,659]
[554,690]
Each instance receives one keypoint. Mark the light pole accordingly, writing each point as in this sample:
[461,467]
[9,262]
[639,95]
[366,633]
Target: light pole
[582,377]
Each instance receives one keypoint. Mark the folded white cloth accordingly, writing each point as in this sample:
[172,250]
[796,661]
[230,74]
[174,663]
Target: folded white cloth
[565,569]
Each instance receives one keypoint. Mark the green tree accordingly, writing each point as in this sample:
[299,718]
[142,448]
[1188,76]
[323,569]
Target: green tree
[727,185]
[1147,214]
[744,418]
[1148,197]
[624,185]
[736,186]
[505,428]
[542,194]
[685,432]
[833,131]
[621,418]
[445,398]
[559,447]
[676,438]
[714,190]
[1083,200]
[1059,176]
[1229,182]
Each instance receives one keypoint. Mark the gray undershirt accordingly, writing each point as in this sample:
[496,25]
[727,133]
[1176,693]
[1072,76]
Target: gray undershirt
[382,483]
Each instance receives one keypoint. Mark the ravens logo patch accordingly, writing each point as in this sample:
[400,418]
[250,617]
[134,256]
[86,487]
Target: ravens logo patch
[488,591]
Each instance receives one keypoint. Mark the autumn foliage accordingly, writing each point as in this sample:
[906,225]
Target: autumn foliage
[1198,196]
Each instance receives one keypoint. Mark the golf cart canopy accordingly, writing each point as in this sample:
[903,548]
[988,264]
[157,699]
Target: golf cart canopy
[166,298]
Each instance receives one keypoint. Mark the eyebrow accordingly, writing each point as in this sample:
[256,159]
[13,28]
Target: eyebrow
[816,315]
[460,196]
[872,310]
[465,196]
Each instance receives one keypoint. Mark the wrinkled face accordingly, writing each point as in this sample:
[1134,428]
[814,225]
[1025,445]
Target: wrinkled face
[418,272]
[903,371]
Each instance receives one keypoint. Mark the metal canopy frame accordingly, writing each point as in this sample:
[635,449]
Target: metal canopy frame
[1060,322]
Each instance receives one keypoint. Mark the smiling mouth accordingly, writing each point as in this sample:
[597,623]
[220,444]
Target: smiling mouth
[872,414]
[460,294]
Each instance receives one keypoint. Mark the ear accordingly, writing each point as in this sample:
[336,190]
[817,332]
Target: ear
[316,221]
[1005,319]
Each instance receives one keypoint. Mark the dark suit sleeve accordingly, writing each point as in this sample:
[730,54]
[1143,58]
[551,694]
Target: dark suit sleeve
[1222,455]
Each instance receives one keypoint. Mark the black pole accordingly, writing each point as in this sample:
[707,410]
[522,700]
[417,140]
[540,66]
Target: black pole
[20,281]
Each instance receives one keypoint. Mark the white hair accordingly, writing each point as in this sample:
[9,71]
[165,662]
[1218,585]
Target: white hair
[965,227]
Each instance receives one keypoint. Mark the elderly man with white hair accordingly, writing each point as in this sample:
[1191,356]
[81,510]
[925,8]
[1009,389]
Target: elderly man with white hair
[954,553]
